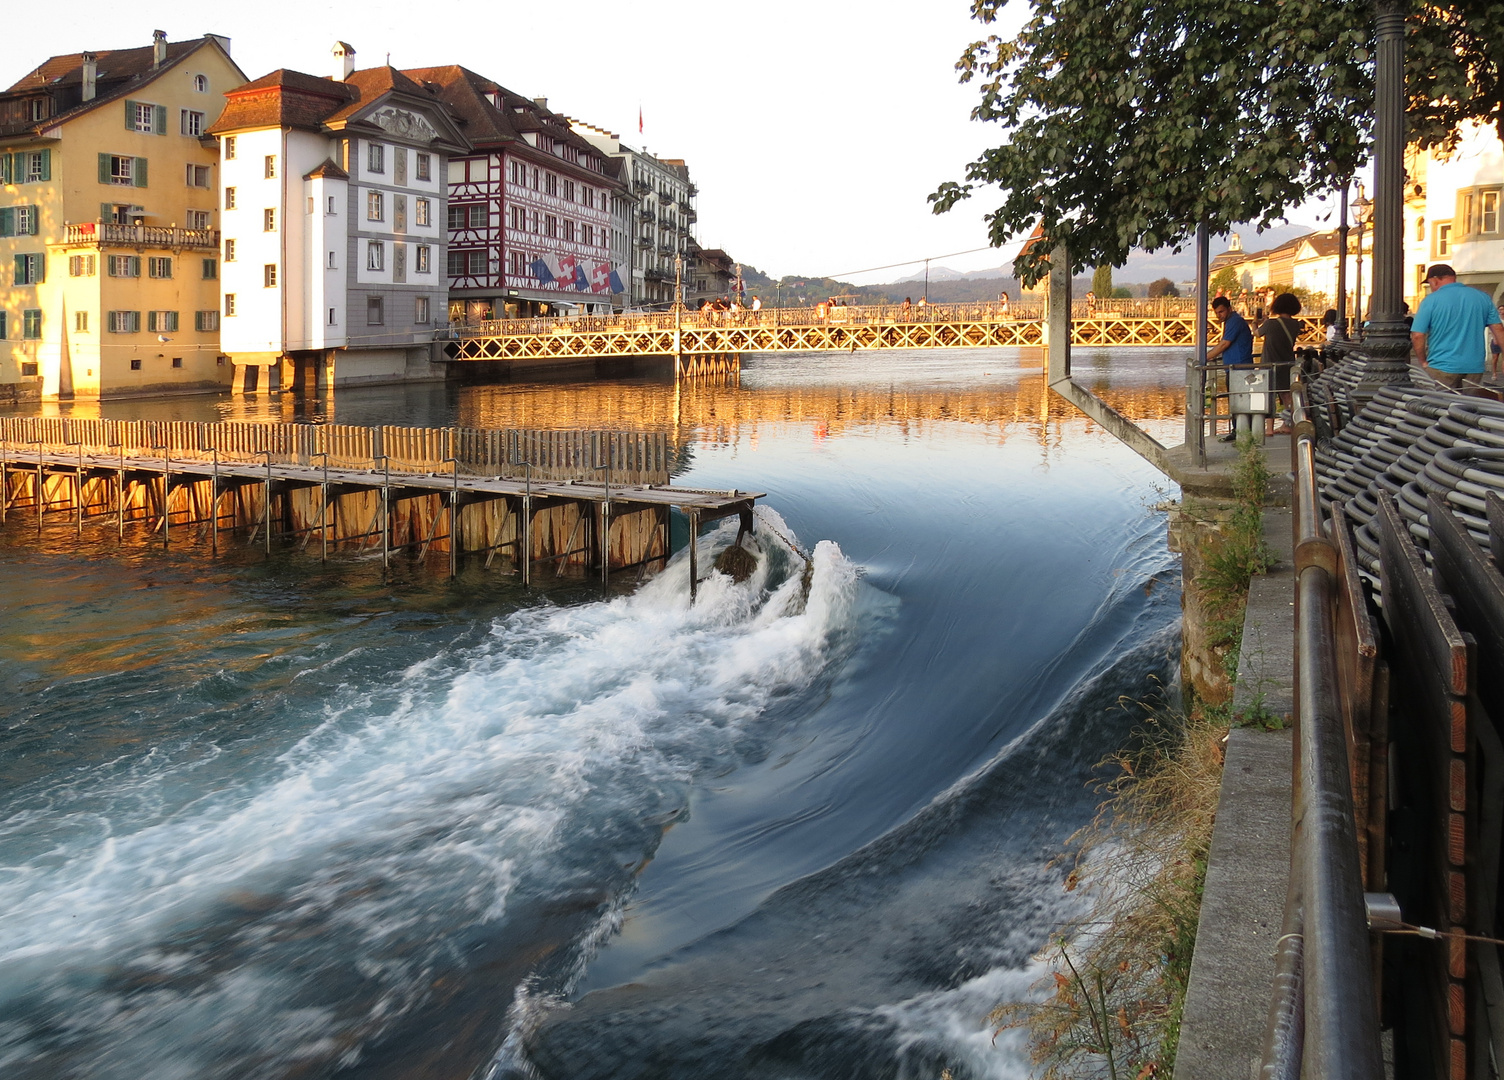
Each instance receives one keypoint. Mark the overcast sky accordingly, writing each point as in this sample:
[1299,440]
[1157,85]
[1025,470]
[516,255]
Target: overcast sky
[813,129]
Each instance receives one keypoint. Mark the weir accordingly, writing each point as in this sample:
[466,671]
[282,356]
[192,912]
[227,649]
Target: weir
[564,500]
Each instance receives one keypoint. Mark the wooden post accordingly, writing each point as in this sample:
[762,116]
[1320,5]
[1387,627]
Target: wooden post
[78,494]
[120,496]
[386,514]
[694,556]
[214,505]
[527,532]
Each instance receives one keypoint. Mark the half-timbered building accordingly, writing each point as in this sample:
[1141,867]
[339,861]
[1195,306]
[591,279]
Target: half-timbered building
[530,207]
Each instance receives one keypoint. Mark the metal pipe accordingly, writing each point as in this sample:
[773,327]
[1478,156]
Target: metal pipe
[323,510]
[1342,1029]
[1284,1033]
[1195,405]
[214,503]
[386,513]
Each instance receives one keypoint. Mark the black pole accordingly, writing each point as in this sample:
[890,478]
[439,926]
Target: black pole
[1388,340]
[1342,266]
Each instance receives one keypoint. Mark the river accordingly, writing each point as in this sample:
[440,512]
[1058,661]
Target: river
[263,818]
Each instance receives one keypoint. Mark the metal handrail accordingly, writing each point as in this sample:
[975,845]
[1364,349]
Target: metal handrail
[1333,968]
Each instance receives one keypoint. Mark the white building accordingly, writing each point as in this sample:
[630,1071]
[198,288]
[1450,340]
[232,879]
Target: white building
[333,201]
[1453,213]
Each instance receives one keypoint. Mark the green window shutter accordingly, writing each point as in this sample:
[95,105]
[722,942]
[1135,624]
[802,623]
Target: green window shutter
[106,211]
[5,169]
[159,119]
[7,221]
[138,172]
[104,168]
[135,266]
[130,116]
[36,220]
[41,267]
[46,164]
[20,270]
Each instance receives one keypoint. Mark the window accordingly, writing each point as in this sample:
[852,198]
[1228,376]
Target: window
[550,184]
[122,171]
[468,217]
[81,322]
[269,275]
[80,266]
[1420,228]
[201,83]
[375,311]
[161,322]
[206,321]
[140,116]
[177,361]
[518,173]
[569,191]
[159,267]
[550,225]
[229,251]
[31,324]
[333,262]
[375,255]
[535,221]
[420,310]
[1443,238]
[587,234]
[191,122]
[1489,215]
[198,176]
[269,220]
[125,266]
[534,178]
[330,208]
[310,204]
[198,219]
[229,147]
[36,166]
[3,326]
[269,168]
[421,212]
[376,158]
[125,322]
[423,260]
[425,167]
[210,269]
[519,218]
[229,198]
[229,304]
[375,206]
[31,269]
[331,317]
[136,364]
[18,220]
[519,263]
[36,109]
[567,229]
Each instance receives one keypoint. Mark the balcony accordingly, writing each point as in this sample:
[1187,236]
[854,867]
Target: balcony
[684,205]
[654,273]
[644,215]
[111,234]
[644,241]
[691,214]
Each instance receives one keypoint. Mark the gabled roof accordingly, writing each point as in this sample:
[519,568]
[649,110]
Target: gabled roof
[119,73]
[486,124]
[283,98]
[327,171]
[293,99]
[1322,244]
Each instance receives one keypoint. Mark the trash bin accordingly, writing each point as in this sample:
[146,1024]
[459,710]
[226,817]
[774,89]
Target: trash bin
[1249,397]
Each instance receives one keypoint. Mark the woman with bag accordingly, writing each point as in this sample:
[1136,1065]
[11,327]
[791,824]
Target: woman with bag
[1280,332]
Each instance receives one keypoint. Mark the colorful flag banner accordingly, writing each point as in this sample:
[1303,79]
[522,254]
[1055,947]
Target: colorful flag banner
[541,271]
[618,279]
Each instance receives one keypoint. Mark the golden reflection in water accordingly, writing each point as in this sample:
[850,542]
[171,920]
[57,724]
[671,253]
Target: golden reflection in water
[721,413]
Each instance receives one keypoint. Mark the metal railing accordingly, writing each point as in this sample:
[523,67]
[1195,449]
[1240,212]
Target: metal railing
[1323,1017]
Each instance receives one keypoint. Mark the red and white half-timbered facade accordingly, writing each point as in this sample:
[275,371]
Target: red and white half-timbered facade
[530,208]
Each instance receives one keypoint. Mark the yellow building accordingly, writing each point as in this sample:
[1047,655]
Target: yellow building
[109,224]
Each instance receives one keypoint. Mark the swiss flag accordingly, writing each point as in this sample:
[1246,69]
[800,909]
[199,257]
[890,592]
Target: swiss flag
[600,278]
[566,271]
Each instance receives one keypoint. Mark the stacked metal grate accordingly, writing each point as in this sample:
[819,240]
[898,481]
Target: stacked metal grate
[1406,444]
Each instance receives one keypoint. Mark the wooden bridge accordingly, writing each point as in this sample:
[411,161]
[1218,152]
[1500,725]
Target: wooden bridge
[705,342]
[573,499]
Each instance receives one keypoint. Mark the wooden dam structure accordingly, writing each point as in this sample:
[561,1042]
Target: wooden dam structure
[547,500]
[712,342]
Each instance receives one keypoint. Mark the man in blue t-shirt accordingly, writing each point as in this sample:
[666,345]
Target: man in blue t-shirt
[1448,333]
[1236,346]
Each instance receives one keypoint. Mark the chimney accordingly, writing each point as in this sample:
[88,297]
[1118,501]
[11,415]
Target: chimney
[541,102]
[158,48]
[224,42]
[91,75]
[344,56]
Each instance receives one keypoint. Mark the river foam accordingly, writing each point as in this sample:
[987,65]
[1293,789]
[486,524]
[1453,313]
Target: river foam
[310,907]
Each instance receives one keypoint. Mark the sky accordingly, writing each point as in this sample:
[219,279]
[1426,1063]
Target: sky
[814,130]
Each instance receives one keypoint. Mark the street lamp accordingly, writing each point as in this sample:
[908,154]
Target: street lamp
[1362,211]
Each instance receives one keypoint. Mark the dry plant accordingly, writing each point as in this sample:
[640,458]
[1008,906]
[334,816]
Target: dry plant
[1112,1003]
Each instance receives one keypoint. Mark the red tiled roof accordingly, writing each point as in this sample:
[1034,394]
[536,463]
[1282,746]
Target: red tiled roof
[327,171]
[283,98]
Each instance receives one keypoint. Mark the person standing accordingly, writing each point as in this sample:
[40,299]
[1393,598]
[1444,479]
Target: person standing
[1448,332]
[1280,333]
[1236,346]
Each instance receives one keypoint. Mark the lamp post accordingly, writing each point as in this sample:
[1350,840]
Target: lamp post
[1362,211]
[1388,339]
[1342,266]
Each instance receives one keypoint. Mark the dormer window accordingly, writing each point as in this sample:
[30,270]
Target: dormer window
[36,108]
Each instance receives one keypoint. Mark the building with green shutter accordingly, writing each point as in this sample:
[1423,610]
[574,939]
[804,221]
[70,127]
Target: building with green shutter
[109,222]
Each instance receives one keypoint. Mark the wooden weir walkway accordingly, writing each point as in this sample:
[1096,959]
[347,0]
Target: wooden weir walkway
[711,343]
[573,499]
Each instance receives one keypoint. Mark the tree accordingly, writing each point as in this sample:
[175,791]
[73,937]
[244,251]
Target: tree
[1162,287]
[1225,282]
[1130,121]
[1101,281]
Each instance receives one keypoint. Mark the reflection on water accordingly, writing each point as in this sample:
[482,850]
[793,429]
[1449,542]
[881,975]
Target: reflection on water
[292,820]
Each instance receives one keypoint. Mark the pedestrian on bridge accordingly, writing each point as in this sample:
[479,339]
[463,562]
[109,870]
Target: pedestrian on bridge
[1449,330]
[1236,346]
